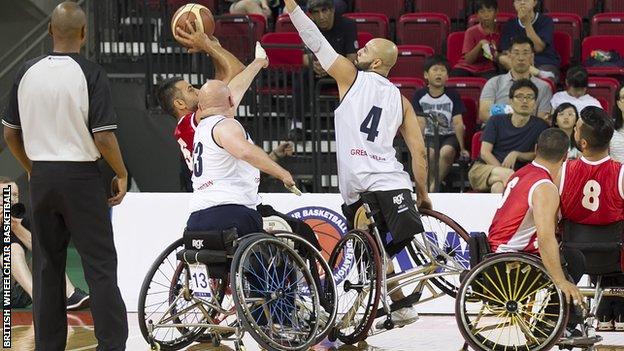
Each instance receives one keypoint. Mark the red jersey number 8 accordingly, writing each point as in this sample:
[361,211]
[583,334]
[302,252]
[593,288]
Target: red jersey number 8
[591,192]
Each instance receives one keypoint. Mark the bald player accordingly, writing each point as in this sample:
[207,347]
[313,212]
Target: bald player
[60,120]
[226,167]
[370,114]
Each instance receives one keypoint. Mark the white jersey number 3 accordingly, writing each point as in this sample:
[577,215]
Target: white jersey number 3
[591,192]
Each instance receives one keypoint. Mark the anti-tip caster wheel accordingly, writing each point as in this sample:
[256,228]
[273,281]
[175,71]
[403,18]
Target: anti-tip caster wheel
[388,324]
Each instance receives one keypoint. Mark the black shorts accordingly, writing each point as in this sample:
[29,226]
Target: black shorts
[450,140]
[394,212]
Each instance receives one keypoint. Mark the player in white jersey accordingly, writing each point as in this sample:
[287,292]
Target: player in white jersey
[226,167]
[371,113]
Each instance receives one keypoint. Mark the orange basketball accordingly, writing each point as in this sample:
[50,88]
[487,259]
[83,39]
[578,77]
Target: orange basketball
[192,12]
[327,235]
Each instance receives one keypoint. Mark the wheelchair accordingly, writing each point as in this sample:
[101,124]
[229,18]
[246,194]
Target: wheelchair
[508,301]
[437,257]
[276,287]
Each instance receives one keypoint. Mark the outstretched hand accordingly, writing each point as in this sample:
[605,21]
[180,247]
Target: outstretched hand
[195,40]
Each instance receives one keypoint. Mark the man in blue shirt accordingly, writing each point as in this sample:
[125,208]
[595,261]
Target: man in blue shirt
[540,29]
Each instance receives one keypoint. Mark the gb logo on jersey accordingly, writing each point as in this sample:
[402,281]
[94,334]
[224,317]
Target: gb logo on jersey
[329,228]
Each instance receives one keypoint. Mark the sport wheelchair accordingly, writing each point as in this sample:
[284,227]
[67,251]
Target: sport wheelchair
[509,302]
[277,287]
[438,256]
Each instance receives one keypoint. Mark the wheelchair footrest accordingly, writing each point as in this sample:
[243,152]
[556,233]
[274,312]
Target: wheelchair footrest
[203,256]
[579,341]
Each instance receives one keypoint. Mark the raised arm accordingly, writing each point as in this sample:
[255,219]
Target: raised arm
[239,84]
[227,66]
[412,135]
[545,202]
[229,134]
[337,66]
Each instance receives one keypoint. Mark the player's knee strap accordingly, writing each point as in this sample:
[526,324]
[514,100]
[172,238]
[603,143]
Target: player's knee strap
[313,38]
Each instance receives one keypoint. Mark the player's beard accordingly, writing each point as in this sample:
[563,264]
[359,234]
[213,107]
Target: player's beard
[363,66]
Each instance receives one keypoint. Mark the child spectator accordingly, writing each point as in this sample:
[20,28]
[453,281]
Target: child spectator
[564,117]
[576,90]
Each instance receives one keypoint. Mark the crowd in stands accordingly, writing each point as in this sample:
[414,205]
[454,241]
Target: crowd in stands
[518,53]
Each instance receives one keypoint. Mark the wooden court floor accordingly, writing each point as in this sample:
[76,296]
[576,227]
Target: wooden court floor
[437,333]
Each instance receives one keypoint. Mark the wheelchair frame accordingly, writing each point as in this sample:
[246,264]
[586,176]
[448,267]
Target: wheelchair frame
[421,276]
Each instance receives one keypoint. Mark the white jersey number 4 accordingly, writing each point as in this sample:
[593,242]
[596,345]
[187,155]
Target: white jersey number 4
[370,125]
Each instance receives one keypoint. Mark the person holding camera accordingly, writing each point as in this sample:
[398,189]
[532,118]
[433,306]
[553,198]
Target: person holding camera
[21,243]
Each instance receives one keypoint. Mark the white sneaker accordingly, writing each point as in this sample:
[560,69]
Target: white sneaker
[605,326]
[402,317]
[619,325]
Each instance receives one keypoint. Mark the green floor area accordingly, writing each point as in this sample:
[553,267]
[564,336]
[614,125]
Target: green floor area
[74,272]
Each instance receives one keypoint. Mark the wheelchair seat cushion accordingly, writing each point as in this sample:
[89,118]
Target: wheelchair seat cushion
[602,246]
[217,240]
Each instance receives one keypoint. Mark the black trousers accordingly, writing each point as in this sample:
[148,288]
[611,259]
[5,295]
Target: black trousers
[68,200]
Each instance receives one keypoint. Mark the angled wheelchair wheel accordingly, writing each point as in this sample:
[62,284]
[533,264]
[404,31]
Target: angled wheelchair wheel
[356,263]
[509,302]
[323,277]
[163,301]
[276,297]
[444,246]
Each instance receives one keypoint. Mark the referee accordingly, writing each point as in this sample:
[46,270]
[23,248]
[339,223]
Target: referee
[59,121]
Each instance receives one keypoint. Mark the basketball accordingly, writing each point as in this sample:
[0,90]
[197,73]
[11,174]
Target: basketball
[192,12]
[327,235]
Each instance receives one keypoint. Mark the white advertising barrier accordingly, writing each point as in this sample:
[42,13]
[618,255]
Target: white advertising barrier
[146,223]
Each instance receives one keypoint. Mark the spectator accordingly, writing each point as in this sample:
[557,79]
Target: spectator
[576,90]
[495,95]
[540,30]
[246,7]
[341,33]
[564,117]
[508,141]
[616,148]
[446,107]
[480,43]
[21,242]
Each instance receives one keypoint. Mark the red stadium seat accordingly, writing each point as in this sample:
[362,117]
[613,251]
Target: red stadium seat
[582,8]
[572,24]
[467,87]
[605,104]
[475,150]
[613,5]
[454,9]
[454,46]
[603,88]
[611,23]
[374,23]
[501,19]
[284,24]
[213,5]
[393,9]
[563,46]
[424,29]
[363,38]
[283,56]
[238,35]
[470,119]
[411,60]
[408,85]
[606,43]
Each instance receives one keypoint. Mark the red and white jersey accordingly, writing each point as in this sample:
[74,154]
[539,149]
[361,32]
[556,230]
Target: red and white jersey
[513,227]
[184,134]
[591,192]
